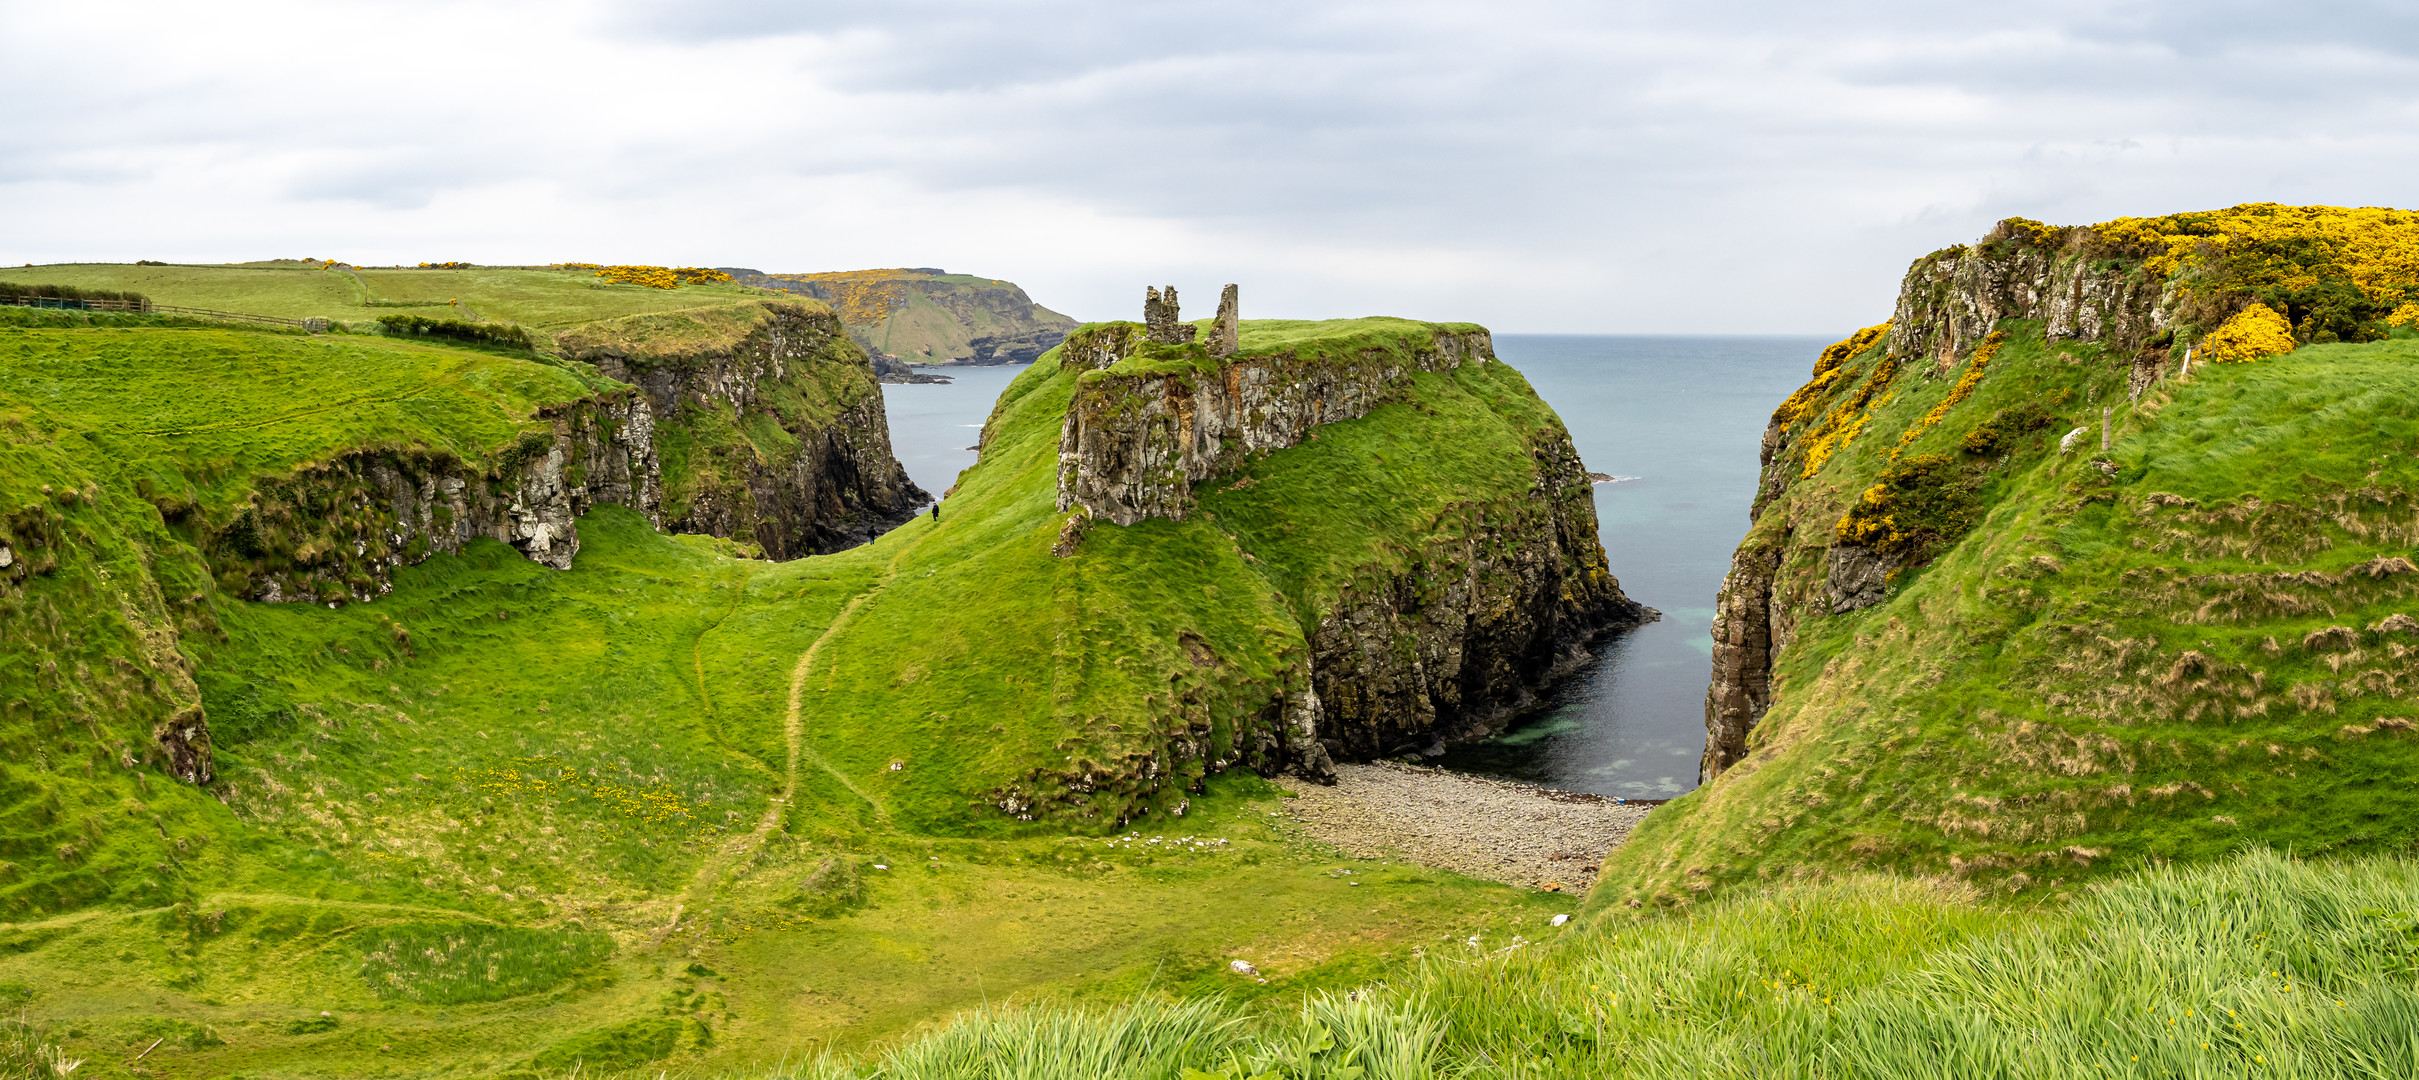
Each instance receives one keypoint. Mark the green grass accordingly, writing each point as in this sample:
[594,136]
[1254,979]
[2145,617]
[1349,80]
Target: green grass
[454,963]
[542,300]
[2256,966]
[496,768]
[2108,672]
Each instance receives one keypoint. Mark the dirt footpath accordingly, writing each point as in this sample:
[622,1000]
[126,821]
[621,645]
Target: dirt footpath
[1493,829]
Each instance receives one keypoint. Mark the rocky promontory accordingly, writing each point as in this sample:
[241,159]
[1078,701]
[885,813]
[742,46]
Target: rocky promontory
[926,315]
[1455,627]
[771,426]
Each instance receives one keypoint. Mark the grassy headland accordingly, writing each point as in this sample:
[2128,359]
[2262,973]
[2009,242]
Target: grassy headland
[2194,642]
[671,804]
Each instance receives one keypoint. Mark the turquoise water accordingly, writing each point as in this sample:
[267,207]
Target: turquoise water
[1680,418]
[933,427]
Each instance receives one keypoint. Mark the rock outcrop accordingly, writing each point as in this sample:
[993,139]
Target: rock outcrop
[1950,300]
[1462,639]
[1495,600]
[819,477]
[336,531]
[927,315]
[676,448]
[1137,439]
[1947,304]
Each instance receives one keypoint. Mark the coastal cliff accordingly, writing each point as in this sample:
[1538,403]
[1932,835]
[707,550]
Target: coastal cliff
[2098,553]
[928,316]
[768,424]
[1455,623]
[1147,423]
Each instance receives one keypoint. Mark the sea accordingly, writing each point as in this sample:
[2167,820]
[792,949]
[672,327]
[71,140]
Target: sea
[1677,422]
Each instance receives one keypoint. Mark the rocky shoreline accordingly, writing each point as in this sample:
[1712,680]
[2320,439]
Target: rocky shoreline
[1518,834]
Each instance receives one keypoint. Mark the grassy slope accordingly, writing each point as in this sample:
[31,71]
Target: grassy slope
[113,432]
[539,299]
[2259,966]
[604,750]
[2098,676]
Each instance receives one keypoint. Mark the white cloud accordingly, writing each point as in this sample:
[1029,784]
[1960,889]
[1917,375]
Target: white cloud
[1534,165]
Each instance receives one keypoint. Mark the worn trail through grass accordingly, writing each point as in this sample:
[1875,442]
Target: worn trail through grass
[793,733]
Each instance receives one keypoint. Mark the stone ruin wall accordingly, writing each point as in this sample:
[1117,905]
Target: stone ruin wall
[1134,445]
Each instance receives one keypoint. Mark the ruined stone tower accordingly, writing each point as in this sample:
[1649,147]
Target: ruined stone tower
[1162,321]
[1223,336]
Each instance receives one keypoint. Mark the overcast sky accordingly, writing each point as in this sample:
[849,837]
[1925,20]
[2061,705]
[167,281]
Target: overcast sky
[1696,167]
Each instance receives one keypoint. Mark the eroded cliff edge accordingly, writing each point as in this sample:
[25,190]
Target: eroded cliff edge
[1449,628]
[758,421]
[1793,563]
[2098,555]
[770,423]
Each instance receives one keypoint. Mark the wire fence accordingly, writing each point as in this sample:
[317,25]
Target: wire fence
[146,307]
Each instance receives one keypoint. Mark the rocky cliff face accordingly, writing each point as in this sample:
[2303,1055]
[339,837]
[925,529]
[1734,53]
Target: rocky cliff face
[1493,601]
[770,424]
[1462,640]
[336,531]
[1136,440]
[765,416]
[929,316]
[1792,564]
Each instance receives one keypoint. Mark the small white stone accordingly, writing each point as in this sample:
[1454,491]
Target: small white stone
[1241,967]
[1558,920]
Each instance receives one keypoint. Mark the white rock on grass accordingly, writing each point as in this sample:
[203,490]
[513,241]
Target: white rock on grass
[1242,967]
[1558,920]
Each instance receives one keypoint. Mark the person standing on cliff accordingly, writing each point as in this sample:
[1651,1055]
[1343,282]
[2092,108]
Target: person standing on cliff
[936,510]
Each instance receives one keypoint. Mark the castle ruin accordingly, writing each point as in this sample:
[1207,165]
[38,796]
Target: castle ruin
[1163,321]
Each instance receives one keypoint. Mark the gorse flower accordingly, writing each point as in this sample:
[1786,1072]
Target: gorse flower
[659,277]
[2254,333]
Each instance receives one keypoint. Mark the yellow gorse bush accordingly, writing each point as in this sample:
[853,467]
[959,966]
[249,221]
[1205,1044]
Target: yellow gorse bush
[1846,420]
[653,277]
[1966,383]
[2253,333]
[659,277]
[2406,315]
[654,804]
[2375,248]
[1826,372]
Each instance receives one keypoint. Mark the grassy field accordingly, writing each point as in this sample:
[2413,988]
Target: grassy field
[542,300]
[2257,966]
[2195,642]
[671,806]
[2254,966]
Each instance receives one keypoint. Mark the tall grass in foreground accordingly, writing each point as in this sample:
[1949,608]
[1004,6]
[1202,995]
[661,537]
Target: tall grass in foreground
[26,1053]
[2258,967]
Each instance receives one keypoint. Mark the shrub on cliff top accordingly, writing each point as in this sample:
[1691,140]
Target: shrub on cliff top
[504,334]
[2254,333]
[11,292]
[661,277]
